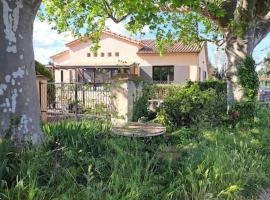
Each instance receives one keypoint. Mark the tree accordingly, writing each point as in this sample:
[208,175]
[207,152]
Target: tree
[19,104]
[241,24]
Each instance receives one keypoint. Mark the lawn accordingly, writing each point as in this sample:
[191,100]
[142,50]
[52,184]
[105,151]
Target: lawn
[83,160]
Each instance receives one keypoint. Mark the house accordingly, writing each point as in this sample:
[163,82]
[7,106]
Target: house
[120,54]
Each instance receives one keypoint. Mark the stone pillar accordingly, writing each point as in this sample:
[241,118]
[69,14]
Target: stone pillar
[42,92]
[125,90]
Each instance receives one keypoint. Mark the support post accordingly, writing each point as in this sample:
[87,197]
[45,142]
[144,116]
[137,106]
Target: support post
[42,84]
[124,90]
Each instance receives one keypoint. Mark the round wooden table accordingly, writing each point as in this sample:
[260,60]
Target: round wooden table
[136,129]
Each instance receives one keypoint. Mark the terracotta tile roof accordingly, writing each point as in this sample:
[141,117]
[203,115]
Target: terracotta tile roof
[85,39]
[124,37]
[147,46]
[150,47]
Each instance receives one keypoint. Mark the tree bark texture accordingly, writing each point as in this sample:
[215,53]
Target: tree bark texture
[19,103]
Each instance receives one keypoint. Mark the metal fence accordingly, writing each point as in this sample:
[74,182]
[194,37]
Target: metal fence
[77,100]
[264,94]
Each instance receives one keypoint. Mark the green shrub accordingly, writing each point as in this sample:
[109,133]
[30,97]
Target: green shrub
[41,70]
[219,86]
[161,91]
[151,91]
[192,105]
[141,104]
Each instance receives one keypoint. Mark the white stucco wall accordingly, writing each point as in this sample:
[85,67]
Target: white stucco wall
[66,76]
[183,65]
[181,74]
[108,44]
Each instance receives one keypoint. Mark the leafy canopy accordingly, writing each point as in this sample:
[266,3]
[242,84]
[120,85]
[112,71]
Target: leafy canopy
[185,20]
[87,17]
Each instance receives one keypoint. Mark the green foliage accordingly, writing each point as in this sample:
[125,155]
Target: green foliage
[161,91]
[151,91]
[141,104]
[265,70]
[8,163]
[41,70]
[82,160]
[218,86]
[87,18]
[196,103]
[249,78]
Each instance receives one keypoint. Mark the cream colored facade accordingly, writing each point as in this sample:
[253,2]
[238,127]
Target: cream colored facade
[119,51]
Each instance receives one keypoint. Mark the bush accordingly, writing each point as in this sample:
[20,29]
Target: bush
[41,70]
[151,91]
[141,104]
[196,103]
[219,86]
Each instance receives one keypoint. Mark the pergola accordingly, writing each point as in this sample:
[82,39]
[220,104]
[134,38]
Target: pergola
[98,72]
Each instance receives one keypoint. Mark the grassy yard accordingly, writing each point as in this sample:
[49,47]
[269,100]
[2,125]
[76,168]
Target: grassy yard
[84,161]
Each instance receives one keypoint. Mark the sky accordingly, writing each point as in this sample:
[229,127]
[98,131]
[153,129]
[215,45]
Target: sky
[48,42]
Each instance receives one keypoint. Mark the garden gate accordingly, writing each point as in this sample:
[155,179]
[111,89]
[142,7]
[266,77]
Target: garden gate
[76,100]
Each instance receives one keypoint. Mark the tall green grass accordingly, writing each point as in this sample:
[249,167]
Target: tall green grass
[83,160]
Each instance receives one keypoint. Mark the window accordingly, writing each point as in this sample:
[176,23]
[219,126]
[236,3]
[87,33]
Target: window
[95,54]
[123,71]
[109,54]
[102,54]
[163,73]
[204,75]
[116,54]
[88,54]
[199,73]
[62,76]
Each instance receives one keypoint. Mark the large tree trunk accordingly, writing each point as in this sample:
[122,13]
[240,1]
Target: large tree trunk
[19,104]
[237,50]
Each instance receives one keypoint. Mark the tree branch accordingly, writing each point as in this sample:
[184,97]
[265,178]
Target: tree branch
[221,21]
[111,13]
[262,29]
[262,8]
[34,4]
[218,43]
[263,21]
[117,20]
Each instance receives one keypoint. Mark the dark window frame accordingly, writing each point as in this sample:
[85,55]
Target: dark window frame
[117,54]
[62,76]
[204,75]
[168,71]
[200,73]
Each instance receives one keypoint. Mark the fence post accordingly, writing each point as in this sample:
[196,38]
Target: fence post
[76,101]
[42,92]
